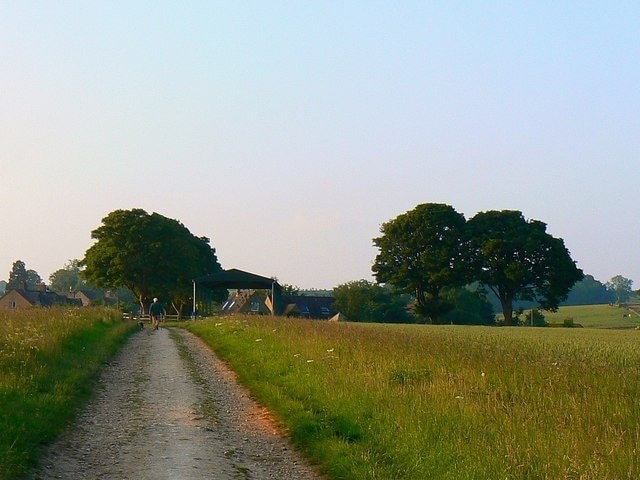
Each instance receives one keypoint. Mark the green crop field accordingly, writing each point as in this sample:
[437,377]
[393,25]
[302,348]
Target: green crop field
[595,316]
[48,361]
[371,401]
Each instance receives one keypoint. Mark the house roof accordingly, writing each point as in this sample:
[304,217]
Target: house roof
[43,298]
[310,306]
[90,294]
[234,278]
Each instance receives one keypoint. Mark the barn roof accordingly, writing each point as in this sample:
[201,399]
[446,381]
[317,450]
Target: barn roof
[234,278]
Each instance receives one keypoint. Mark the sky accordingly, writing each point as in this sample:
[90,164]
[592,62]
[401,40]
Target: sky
[288,132]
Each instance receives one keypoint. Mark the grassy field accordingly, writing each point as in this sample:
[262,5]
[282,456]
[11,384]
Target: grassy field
[369,401]
[49,359]
[594,316]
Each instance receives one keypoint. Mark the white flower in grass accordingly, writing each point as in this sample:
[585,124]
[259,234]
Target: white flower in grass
[258,339]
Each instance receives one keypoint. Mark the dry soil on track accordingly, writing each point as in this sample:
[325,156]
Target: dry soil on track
[167,408]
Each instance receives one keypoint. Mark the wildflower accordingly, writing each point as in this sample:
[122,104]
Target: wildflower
[258,339]
[330,350]
[309,361]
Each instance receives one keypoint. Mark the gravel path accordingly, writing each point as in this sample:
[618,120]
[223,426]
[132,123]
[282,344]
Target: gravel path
[167,408]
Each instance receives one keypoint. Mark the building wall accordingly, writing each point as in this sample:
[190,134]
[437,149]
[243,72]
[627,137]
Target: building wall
[14,300]
[86,301]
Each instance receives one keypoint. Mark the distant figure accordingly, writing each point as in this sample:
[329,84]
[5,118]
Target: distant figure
[156,312]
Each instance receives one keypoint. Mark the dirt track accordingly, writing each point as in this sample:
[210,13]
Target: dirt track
[167,408]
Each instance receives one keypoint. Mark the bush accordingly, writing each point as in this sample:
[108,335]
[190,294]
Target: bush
[538,318]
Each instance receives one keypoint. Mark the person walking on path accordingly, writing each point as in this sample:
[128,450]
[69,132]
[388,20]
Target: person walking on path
[156,312]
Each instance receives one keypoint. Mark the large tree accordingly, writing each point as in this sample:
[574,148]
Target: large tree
[422,252]
[21,278]
[518,260]
[150,254]
[620,288]
[17,276]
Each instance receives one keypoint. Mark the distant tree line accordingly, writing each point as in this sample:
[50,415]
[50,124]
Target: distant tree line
[449,267]
[471,305]
[433,266]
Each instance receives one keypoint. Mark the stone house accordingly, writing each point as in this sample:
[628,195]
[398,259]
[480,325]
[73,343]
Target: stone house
[40,297]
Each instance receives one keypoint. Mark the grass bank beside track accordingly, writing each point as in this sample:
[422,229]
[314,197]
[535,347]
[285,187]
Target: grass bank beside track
[369,401]
[49,361]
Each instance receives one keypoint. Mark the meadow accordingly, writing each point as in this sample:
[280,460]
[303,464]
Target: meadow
[594,316]
[372,401]
[49,360]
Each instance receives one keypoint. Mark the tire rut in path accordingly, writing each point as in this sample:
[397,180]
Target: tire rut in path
[168,408]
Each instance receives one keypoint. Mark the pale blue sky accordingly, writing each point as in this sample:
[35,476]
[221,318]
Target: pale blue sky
[288,132]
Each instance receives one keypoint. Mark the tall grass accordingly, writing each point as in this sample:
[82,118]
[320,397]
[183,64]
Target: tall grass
[48,361]
[442,402]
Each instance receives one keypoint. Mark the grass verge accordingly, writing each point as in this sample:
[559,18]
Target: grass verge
[369,401]
[49,360]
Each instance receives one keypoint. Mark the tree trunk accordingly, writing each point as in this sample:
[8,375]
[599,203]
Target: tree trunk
[141,301]
[507,311]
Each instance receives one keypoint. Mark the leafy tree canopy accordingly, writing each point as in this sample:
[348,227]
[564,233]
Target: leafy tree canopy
[17,276]
[364,301]
[421,252]
[288,289]
[621,288]
[518,260]
[68,278]
[151,255]
[589,291]
[21,278]
[470,307]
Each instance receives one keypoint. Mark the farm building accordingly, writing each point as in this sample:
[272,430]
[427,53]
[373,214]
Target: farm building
[41,297]
[258,302]
[247,301]
[90,297]
[254,294]
[308,307]
[240,280]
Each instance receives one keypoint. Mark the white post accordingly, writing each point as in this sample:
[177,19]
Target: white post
[193,310]
[273,298]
